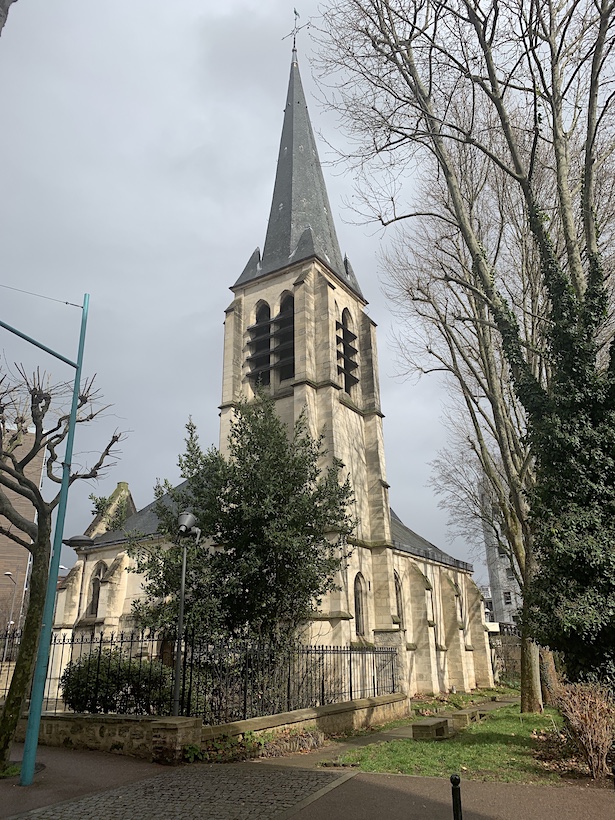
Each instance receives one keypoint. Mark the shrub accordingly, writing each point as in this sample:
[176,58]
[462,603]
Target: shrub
[588,710]
[109,681]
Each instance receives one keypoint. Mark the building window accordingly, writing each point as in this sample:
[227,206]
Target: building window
[430,607]
[284,336]
[359,605]
[260,346]
[399,601]
[510,573]
[508,598]
[346,352]
[97,575]
[459,605]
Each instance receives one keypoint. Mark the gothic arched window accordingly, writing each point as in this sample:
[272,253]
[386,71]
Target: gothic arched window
[284,336]
[359,605]
[260,344]
[97,575]
[346,351]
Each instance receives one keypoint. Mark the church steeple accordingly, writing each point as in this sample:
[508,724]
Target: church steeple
[300,223]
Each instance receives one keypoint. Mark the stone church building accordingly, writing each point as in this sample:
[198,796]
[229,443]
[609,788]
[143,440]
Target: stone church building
[297,325]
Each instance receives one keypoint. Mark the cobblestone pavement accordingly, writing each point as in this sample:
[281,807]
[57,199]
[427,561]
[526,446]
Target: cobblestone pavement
[230,792]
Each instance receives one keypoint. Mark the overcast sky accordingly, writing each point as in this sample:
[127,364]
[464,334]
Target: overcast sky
[138,146]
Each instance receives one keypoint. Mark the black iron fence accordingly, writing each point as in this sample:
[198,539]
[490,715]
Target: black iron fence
[133,674]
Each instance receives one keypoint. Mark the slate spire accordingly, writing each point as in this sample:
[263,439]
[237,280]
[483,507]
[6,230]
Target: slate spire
[300,223]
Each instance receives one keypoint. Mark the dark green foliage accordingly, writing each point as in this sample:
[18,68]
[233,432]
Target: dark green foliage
[570,602]
[110,682]
[225,749]
[277,519]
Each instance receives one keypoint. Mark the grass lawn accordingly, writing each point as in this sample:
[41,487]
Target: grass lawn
[500,747]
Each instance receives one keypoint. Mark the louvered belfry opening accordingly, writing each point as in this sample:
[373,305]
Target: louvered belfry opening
[260,346]
[272,343]
[284,339]
[346,352]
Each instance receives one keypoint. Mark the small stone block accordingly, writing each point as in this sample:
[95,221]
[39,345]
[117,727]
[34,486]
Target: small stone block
[430,729]
[463,717]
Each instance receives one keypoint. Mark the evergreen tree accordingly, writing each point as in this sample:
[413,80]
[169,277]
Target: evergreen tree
[274,525]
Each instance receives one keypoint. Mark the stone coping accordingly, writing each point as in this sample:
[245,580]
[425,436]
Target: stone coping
[261,724]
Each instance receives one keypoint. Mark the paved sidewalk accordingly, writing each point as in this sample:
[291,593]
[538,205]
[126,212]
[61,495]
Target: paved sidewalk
[77,785]
[226,792]
[251,790]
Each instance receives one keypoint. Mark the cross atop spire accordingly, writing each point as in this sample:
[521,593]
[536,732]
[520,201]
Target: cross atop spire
[300,222]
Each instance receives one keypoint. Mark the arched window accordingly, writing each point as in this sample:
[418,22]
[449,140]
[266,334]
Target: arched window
[399,601]
[285,338]
[97,575]
[260,344]
[346,351]
[359,605]
[459,604]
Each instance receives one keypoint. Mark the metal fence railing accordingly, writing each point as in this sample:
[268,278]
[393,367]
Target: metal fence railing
[132,673]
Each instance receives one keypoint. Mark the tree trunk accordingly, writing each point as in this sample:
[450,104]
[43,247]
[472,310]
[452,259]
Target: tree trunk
[24,667]
[531,695]
[4,11]
[549,679]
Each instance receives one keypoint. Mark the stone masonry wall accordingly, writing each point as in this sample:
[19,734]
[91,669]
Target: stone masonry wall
[162,740]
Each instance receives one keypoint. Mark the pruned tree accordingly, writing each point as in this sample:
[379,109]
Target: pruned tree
[34,420]
[275,517]
[523,89]
[5,5]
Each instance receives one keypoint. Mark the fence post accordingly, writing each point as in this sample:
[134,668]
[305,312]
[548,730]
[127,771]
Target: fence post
[245,683]
[288,685]
[394,659]
[350,670]
[456,789]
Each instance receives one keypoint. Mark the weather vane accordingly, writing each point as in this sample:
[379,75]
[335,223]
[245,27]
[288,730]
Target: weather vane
[297,28]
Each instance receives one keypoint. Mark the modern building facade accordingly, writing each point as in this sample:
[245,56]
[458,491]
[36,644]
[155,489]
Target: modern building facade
[15,559]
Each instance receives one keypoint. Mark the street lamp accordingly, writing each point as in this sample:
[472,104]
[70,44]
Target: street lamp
[10,575]
[186,525]
[10,621]
[42,658]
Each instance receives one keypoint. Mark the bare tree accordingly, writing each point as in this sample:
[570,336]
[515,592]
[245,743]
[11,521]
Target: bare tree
[4,11]
[31,405]
[514,94]
[486,473]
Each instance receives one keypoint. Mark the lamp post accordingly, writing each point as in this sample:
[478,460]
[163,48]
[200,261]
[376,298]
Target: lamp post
[10,575]
[186,526]
[42,658]
[10,620]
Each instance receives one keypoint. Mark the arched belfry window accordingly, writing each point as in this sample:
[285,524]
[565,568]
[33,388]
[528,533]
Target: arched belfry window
[97,575]
[346,351]
[284,338]
[260,345]
[359,605]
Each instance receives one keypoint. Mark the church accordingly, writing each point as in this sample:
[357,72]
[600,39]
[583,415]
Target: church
[297,326]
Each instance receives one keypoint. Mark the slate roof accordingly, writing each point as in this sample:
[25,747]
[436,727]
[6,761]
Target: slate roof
[300,223]
[409,541]
[145,522]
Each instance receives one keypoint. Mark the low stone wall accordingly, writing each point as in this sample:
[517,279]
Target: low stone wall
[163,739]
[334,719]
[159,739]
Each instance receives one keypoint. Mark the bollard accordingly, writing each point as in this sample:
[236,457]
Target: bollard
[455,781]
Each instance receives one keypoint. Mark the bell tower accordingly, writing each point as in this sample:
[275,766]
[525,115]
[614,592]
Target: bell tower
[297,326]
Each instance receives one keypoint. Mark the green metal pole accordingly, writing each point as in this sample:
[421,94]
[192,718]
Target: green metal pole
[42,658]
